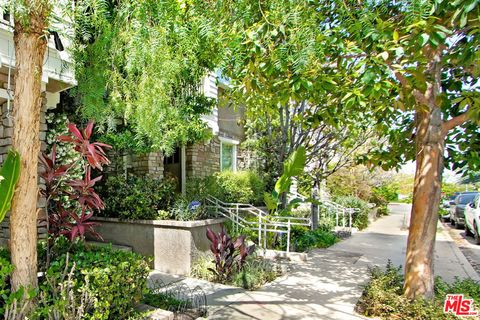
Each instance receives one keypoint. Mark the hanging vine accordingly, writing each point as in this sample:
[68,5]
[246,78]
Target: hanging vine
[139,65]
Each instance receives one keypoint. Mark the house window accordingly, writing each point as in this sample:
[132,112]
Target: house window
[6,16]
[228,156]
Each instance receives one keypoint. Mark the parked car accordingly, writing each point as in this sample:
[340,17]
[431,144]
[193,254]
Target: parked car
[446,201]
[445,214]
[472,219]
[457,208]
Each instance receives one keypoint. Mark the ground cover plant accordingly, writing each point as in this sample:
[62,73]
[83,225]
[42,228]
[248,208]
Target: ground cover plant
[165,301]
[98,282]
[383,296]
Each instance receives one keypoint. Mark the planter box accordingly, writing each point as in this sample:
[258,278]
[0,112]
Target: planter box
[174,245]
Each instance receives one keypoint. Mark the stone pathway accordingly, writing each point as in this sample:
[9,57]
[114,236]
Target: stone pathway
[329,283]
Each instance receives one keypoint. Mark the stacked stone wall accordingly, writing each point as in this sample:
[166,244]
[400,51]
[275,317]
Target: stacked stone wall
[150,164]
[203,158]
[6,133]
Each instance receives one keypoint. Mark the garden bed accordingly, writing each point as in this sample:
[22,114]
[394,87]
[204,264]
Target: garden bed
[174,245]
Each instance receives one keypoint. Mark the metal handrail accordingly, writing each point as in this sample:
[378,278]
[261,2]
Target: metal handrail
[264,224]
[340,211]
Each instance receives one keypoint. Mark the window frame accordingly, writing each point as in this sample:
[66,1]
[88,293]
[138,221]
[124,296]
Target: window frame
[233,143]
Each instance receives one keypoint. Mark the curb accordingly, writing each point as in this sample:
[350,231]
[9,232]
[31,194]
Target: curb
[466,266]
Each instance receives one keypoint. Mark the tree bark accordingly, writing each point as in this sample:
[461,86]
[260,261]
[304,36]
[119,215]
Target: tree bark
[315,208]
[30,45]
[430,140]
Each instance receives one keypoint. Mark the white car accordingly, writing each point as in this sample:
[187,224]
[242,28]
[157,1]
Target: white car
[472,218]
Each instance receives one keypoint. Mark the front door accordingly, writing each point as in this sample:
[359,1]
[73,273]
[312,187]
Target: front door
[173,167]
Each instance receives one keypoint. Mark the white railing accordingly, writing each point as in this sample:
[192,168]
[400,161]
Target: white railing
[264,223]
[261,222]
[343,215]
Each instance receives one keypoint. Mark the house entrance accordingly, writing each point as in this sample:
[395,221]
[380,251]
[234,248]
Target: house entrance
[173,167]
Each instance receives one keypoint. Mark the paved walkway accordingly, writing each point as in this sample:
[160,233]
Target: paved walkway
[328,284]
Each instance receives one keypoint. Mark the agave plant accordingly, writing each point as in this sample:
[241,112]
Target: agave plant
[9,174]
[229,254]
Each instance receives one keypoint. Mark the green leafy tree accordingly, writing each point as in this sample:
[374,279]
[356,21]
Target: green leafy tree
[277,61]
[139,67]
[425,54]
[411,66]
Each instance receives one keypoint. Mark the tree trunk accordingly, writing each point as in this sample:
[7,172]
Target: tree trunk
[426,198]
[315,208]
[30,46]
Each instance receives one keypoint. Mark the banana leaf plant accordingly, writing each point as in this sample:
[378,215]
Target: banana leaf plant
[9,174]
[292,167]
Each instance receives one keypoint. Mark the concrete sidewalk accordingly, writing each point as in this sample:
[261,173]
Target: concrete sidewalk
[386,239]
[329,283]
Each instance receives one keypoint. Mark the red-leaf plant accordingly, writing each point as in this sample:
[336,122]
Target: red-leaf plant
[63,217]
[229,254]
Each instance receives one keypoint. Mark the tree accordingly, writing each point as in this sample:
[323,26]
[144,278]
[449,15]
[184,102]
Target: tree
[276,60]
[139,67]
[428,51]
[31,22]
[410,65]
[274,135]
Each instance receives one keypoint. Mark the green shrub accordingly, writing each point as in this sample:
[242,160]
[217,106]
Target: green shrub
[165,301]
[197,189]
[360,216]
[106,283]
[382,296]
[182,211]
[255,273]
[116,279]
[382,211]
[136,197]
[304,239]
[240,186]
[228,186]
